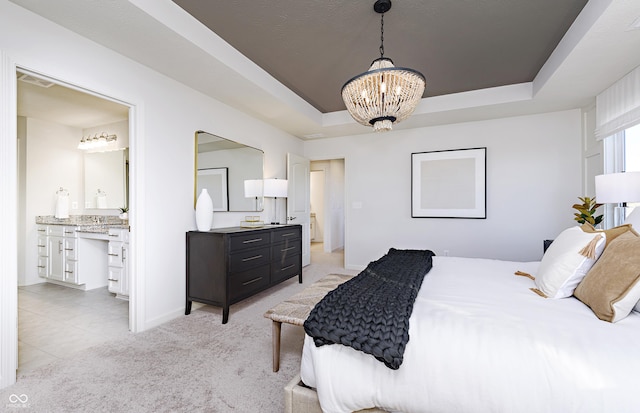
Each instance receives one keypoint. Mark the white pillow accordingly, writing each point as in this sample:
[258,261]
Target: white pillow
[563,266]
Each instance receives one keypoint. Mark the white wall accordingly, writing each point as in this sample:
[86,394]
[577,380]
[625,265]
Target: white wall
[533,178]
[52,161]
[165,116]
[318,195]
[336,204]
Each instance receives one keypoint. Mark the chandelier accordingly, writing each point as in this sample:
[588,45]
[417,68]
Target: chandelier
[384,94]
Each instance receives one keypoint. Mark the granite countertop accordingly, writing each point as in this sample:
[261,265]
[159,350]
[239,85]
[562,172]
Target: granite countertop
[86,223]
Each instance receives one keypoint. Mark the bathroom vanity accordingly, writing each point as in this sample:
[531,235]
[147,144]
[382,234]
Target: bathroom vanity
[84,253]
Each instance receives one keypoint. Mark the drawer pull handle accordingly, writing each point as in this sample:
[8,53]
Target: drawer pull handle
[287,267]
[113,255]
[42,230]
[41,245]
[114,235]
[249,241]
[69,272]
[41,266]
[251,258]
[252,281]
[68,232]
[111,279]
[288,234]
[68,249]
[288,249]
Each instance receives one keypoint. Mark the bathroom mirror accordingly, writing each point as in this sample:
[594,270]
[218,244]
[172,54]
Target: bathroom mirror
[106,179]
[223,166]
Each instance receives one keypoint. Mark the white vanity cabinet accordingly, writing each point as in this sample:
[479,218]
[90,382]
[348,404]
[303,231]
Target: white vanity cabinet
[69,257]
[57,259]
[118,253]
[43,251]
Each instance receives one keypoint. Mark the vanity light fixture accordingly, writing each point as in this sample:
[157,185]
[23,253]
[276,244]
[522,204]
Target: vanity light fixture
[384,94]
[97,141]
[275,188]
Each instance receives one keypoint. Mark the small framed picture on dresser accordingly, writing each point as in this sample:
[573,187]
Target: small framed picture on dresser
[449,184]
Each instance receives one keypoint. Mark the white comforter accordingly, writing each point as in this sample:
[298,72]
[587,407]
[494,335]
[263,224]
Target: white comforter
[481,341]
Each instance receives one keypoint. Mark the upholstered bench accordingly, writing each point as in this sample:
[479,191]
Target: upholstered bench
[299,398]
[296,309]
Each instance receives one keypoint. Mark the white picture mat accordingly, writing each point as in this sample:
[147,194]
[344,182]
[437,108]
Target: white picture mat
[449,184]
[215,181]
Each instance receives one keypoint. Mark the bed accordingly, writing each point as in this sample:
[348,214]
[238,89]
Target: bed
[482,339]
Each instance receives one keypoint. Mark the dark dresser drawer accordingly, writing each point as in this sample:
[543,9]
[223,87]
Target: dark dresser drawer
[244,283]
[246,259]
[227,265]
[250,240]
[286,249]
[284,234]
[286,268]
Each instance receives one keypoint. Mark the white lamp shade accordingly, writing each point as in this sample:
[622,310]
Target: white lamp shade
[276,188]
[618,187]
[253,188]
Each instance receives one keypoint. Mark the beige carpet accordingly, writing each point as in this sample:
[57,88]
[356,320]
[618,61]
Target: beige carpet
[190,364]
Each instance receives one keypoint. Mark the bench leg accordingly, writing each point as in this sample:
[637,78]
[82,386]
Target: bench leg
[276,326]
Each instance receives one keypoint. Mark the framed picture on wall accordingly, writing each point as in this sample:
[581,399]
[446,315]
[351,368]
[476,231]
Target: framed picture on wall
[216,181]
[449,184]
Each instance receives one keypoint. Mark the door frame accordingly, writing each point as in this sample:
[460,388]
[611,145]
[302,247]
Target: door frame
[9,213]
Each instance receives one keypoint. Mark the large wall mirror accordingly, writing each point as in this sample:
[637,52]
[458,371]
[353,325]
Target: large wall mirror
[222,167]
[106,179]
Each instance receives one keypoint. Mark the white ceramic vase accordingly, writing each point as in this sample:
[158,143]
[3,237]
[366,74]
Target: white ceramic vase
[204,211]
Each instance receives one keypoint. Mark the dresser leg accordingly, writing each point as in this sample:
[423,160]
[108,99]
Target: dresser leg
[275,342]
[300,278]
[225,314]
[187,308]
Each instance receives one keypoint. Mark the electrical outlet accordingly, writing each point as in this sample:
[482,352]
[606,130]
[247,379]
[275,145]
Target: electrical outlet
[445,253]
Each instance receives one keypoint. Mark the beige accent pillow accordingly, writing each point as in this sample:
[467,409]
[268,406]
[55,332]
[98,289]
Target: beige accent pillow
[611,287]
[611,233]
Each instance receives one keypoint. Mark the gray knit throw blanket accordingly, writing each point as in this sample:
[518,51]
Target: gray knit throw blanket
[371,311]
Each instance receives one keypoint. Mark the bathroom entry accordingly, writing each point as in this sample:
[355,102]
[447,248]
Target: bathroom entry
[52,121]
[327,197]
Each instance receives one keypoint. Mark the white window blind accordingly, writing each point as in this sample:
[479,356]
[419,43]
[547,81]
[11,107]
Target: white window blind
[618,107]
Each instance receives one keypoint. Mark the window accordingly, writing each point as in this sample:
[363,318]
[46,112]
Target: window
[622,154]
[632,153]
[632,149]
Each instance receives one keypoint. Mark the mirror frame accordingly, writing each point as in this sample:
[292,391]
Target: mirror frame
[195,171]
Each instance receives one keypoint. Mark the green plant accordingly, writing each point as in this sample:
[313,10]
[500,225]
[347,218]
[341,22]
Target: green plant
[586,211]
[124,209]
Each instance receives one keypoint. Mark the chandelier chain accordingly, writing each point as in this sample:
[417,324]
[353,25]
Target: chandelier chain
[382,35]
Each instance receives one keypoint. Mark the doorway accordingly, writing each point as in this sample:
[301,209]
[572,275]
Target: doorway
[327,198]
[55,321]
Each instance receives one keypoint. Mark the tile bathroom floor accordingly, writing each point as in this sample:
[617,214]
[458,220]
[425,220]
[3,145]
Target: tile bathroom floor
[55,322]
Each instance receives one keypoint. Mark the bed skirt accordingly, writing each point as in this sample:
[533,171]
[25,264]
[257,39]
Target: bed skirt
[299,398]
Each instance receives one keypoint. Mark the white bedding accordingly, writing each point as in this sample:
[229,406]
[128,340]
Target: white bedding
[481,341]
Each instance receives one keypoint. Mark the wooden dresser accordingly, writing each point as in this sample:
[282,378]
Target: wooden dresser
[226,265]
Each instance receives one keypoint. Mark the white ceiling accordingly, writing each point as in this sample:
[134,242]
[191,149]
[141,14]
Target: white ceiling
[599,48]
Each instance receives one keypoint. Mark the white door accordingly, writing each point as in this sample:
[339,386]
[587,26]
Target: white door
[298,201]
